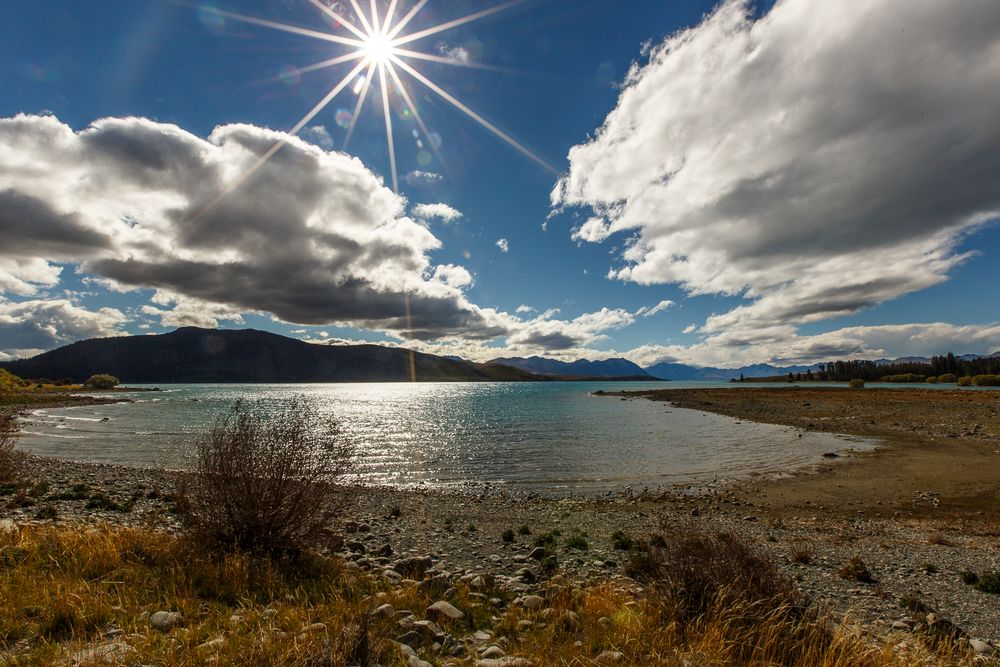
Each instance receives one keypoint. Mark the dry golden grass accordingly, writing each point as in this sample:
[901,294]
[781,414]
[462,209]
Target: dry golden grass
[62,589]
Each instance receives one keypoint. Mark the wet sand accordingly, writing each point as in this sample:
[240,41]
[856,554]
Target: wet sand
[940,459]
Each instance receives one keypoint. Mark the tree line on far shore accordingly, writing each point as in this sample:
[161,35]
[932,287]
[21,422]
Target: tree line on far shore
[982,371]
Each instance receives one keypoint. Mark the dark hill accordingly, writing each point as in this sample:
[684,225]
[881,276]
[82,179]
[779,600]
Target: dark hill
[190,354]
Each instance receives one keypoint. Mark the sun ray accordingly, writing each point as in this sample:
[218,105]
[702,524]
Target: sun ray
[414,36]
[305,32]
[388,17]
[406,19]
[269,153]
[475,116]
[416,113]
[364,19]
[339,19]
[406,53]
[376,28]
[361,102]
[388,126]
[332,62]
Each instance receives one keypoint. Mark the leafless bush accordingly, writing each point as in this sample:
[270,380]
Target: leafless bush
[11,460]
[693,569]
[265,478]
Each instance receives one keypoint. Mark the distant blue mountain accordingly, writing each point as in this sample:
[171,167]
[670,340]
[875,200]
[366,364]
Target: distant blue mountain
[582,367]
[675,371]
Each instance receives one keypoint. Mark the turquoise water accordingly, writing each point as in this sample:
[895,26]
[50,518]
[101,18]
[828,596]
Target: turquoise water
[548,437]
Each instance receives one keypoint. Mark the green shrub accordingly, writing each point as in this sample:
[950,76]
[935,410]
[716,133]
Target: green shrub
[986,380]
[965,381]
[547,539]
[969,578]
[524,530]
[989,583]
[933,379]
[101,381]
[577,542]
[904,377]
[856,570]
[622,541]
[914,604]
[947,378]
[856,383]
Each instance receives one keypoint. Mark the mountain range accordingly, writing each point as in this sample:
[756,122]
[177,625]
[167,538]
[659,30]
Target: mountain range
[579,368]
[190,354]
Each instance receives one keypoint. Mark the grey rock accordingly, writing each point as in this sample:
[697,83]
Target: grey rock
[492,651]
[981,647]
[445,610]
[103,654]
[532,601]
[384,611]
[165,621]
[610,657]
[539,553]
[415,661]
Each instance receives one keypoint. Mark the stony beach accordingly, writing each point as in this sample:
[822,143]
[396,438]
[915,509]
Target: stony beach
[915,547]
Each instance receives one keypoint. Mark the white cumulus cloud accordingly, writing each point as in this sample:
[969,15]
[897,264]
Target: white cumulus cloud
[441,212]
[817,160]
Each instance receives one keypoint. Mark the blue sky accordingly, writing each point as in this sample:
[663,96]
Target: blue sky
[555,73]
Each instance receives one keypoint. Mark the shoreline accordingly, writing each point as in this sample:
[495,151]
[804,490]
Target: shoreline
[940,457]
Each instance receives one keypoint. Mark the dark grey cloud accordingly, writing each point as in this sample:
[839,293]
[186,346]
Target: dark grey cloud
[310,236]
[30,227]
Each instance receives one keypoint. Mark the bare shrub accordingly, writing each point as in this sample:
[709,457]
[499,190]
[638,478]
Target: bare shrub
[702,578]
[265,478]
[11,460]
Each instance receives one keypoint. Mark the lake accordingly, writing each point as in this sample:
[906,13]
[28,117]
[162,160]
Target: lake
[549,437]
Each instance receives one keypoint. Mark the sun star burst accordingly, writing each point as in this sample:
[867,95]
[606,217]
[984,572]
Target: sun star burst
[375,53]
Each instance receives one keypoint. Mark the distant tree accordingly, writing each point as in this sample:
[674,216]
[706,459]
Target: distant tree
[101,381]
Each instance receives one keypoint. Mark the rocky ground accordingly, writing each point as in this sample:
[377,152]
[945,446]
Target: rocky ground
[916,565]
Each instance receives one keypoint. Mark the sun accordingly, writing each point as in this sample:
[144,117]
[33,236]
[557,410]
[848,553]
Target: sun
[378,49]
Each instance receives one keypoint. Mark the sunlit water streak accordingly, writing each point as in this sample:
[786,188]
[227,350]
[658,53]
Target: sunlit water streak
[545,437]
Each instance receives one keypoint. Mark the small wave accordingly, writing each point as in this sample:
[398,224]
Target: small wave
[54,435]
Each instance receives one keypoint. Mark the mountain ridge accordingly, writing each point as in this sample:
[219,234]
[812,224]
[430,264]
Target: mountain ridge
[195,355]
[615,367]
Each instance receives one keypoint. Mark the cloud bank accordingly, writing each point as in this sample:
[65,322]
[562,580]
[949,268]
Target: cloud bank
[818,160]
